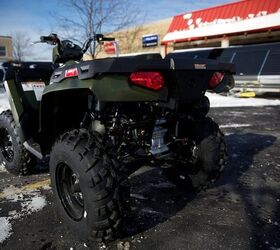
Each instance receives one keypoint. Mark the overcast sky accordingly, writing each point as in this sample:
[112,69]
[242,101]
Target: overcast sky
[34,18]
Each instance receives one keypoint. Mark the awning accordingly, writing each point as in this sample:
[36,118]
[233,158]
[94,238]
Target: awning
[238,17]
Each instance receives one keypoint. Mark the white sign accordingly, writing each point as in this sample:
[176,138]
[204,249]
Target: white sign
[37,87]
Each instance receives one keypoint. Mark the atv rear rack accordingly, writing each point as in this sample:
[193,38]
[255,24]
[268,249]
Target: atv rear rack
[90,69]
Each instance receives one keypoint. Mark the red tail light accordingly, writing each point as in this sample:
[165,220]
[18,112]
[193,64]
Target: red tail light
[216,78]
[150,80]
[71,72]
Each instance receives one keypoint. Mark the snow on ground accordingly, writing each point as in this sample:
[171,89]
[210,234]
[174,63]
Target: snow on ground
[34,205]
[5,228]
[235,125]
[2,169]
[31,200]
[4,103]
[231,101]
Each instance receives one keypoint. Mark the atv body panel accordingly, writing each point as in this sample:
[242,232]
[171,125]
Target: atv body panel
[106,88]
[24,84]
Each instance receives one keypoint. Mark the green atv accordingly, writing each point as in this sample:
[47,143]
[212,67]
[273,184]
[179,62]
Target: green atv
[91,118]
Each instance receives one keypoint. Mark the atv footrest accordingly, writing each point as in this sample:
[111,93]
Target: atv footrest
[33,148]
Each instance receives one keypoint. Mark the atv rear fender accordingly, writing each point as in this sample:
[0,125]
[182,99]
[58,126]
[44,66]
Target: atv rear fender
[108,78]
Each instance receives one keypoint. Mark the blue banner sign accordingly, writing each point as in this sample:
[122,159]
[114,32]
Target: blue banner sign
[149,41]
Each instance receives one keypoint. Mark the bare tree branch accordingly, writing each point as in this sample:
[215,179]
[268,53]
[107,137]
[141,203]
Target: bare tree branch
[21,45]
[95,16]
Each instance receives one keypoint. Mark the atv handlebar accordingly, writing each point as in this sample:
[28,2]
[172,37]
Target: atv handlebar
[51,39]
[108,39]
[101,38]
[54,40]
[45,39]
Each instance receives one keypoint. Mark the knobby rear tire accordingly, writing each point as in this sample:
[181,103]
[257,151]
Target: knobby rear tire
[211,158]
[85,154]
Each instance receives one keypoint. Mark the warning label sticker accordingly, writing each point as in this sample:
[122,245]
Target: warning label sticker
[37,87]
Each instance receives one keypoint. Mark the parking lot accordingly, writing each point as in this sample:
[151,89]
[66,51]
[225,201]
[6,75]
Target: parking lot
[83,81]
[242,211]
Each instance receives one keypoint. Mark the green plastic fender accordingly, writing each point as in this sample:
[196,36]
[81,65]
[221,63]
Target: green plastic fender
[108,88]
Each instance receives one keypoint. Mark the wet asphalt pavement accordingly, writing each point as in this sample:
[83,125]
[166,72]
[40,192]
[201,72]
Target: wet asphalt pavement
[242,210]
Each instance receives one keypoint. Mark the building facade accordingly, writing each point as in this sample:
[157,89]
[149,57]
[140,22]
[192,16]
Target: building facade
[6,48]
[238,23]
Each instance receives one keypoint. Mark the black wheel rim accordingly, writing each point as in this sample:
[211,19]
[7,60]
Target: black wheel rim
[186,152]
[69,191]
[6,145]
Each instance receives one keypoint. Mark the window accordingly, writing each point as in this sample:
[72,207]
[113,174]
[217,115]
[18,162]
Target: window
[226,55]
[2,51]
[249,62]
[202,54]
[190,54]
[272,64]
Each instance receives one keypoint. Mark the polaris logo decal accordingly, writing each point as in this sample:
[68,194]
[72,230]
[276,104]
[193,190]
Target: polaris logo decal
[200,66]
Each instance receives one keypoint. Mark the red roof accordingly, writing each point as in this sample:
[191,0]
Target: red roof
[233,12]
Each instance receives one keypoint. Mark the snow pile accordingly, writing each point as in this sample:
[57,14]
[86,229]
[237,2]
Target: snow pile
[5,228]
[231,101]
[235,125]
[2,169]
[4,103]
[34,205]
[31,200]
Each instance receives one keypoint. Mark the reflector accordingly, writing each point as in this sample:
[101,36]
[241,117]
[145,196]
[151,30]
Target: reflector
[216,78]
[150,80]
[71,72]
